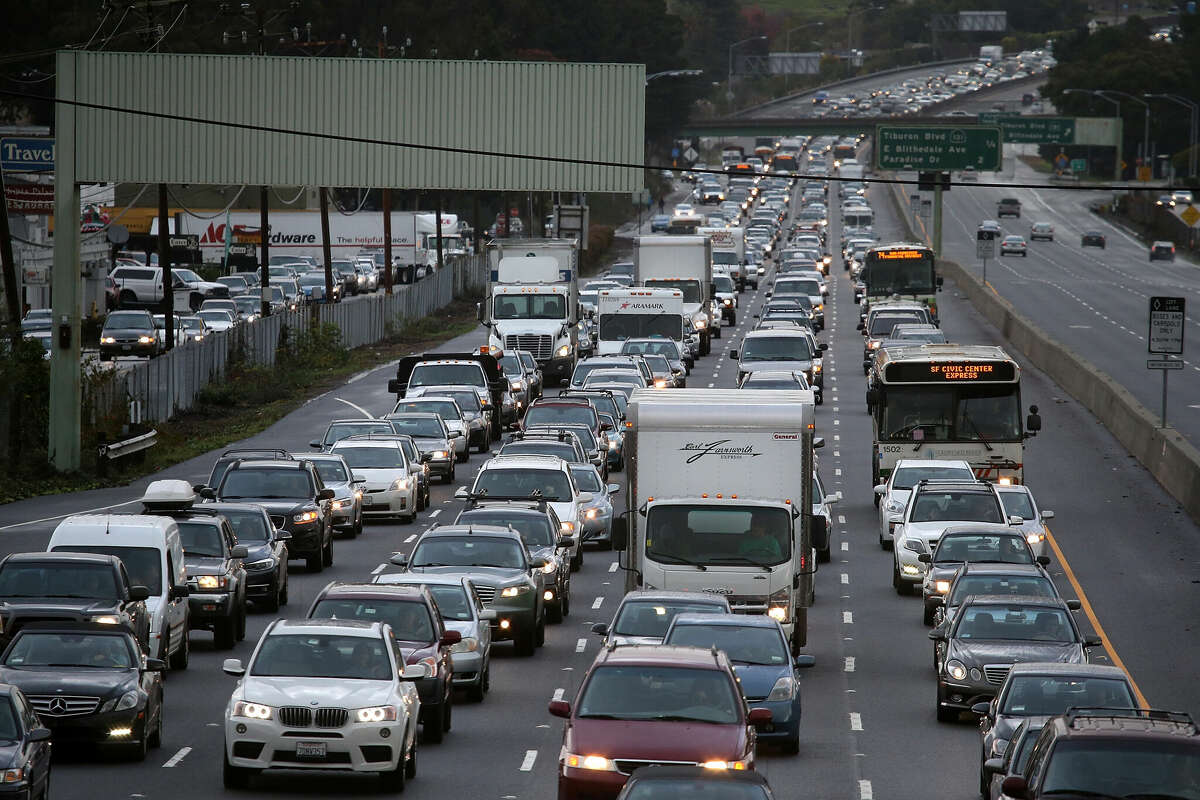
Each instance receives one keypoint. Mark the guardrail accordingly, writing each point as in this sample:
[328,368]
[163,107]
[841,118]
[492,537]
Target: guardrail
[134,444]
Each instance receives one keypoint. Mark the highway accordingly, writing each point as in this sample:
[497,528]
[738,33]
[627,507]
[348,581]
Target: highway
[869,729]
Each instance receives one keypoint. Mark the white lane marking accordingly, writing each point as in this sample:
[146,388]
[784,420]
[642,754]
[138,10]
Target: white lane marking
[837,422]
[847,617]
[527,763]
[837,437]
[710,386]
[837,471]
[599,601]
[359,408]
[434,513]
[580,645]
[558,694]
[411,536]
[849,663]
[613,567]
[864,791]
[379,569]
[837,453]
[68,514]
[855,721]
[845,577]
[841,519]
[175,759]
[845,546]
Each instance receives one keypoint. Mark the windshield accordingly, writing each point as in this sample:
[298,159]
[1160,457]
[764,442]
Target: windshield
[1047,695]
[452,374]
[1014,585]
[899,276]
[1133,768]
[797,286]
[248,526]
[988,548]
[587,479]
[552,415]
[604,403]
[543,448]
[743,644]
[530,306]
[1018,504]
[331,471]
[882,325]
[410,620]
[690,288]
[955,506]
[723,284]
[266,483]
[951,413]
[663,347]
[683,534]
[201,538]
[420,427]
[511,366]
[339,431]
[675,694]
[620,377]
[658,364]
[473,551]
[389,457]
[323,656]
[104,651]
[144,564]
[651,618]
[128,319]
[468,401]
[619,327]
[776,348]
[58,580]
[547,484]
[452,602]
[534,529]
[1019,623]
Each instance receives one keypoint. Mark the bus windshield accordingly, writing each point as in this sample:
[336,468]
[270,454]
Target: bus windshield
[951,413]
[887,276]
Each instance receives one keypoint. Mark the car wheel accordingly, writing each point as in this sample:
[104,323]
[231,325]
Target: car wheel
[127,297]
[283,594]
[984,785]
[477,691]
[432,731]
[410,768]
[884,544]
[448,713]
[945,714]
[791,745]
[225,633]
[156,735]
[315,563]
[525,642]
[327,554]
[565,600]
[900,585]
[241,626]
[179,660]
[450,477]
[358,527]
[393,780]
[138,750]
[540,631]
[271,603]
[235,777]
[577,561]
[927,616]
[824,555]
[554,614]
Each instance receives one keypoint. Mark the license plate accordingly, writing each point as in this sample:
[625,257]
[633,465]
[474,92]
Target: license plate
[310,749]
[368,502]
[126,347]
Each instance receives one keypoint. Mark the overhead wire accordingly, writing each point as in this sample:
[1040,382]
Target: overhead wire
[197,214]
[288,202]
[361,203]
[178,17]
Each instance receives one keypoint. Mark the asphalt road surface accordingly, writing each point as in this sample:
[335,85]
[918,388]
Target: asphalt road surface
[869,729]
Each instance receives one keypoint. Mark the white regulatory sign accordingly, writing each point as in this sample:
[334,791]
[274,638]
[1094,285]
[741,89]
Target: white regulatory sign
[1166,325]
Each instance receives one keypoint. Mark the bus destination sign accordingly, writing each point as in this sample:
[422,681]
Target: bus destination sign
[951,372]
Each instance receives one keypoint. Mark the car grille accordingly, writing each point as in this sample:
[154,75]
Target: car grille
[486,593]
[628,765]
[996,673]
[59,705]
[301,717]
[539,344]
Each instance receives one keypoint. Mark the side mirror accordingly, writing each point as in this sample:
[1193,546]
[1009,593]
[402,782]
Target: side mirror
[198,488]
[606,426]
[566,541]
[858,327]
[399,559]
[937,635]
[462,493]
[620,533]
[1074,605]
[585,497]
[426,457]
[325,494]
[836,497]
[600,628]
[560,708]
[414,672]
[282,535]
[537,562]
[488,614]
[40,735]
[1044,560]
[768,293]
[178,592]
[1013,519]
[155,665]
[993,766]
[823,346]
[733,354]
[315,443]
[208,493]
[450,637]
[982,709]
[818,442]
[1047,515]
[759,717]
[939,281]
[1015,786]
[1092,641]
[233,666]
[239,551]
[925,558]
[139,593]
[613,488]
[1033,422]
[804,661]
[881,489]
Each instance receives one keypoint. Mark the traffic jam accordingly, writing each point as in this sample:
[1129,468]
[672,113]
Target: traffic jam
[608,528]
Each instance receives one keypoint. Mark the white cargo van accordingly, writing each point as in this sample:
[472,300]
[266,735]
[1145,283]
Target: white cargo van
[152,553]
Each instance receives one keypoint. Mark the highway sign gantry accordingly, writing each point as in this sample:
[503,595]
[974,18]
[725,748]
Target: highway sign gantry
[942,148]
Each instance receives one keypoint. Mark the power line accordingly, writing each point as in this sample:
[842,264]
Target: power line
[586,162]
[178,17]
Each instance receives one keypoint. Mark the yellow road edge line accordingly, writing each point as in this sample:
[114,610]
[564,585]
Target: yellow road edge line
[1091,615]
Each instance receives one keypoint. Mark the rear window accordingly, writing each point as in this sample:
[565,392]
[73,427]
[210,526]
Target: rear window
[57,580]
[559,414]
[143,564]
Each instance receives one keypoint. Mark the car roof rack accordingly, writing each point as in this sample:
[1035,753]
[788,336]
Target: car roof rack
[1181,719]
[244,452]
[478,501]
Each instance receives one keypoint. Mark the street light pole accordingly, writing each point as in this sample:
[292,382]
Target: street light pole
[729,91]
[1145,124]
[1118,173]
[1194,120]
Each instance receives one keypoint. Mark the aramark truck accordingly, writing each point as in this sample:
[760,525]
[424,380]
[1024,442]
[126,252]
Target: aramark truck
[637,313]
[729,250]
[719,499]
[533,301]
[683,263]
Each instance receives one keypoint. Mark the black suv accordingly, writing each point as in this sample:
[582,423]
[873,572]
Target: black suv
[216,576]
[1111,752]
[70,587]
[295,498]
[420,634]
[241,454]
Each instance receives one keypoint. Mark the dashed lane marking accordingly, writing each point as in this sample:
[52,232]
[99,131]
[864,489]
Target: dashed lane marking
[580,645]
[845,577]
[379,569]
[841,519]
[845,546]
[613,567]
[599,601]
[527,762]
[864,791]
[855,721]
[411,536]
[175,759]
[849,664]
[558,694]
[847,617]
[434,513]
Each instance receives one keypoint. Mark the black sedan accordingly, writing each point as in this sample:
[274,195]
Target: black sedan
[89,684]
[24,749]
[128,333]
[1093,239]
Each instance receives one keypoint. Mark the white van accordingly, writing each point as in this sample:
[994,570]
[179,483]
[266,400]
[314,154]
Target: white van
[152,553]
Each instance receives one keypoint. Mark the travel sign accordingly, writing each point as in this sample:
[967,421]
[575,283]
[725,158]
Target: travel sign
[944,148]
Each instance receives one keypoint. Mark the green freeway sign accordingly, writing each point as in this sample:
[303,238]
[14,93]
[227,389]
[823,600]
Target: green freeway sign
[937,147]
[1031,130]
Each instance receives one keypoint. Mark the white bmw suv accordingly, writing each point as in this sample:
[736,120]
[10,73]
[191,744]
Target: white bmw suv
[327,695]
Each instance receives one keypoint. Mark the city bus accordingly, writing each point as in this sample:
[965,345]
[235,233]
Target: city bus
[902,270]
[948,401]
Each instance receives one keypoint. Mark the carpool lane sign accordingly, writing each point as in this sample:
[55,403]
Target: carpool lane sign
[26,154]
[1166,325]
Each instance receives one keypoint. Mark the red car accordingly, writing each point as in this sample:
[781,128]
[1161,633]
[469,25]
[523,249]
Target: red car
[653,704]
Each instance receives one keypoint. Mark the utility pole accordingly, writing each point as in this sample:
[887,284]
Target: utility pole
[937,214]
[437,224]
[387,241]
[264,235]
[11,297]
[164,262]
[325,250]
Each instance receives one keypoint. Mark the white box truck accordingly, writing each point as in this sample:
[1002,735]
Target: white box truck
[719,499]
[452,241]
[533,301]
[637,313]
[683,263]
[729,250]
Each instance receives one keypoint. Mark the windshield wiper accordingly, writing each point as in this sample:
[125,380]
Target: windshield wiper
[1081,793]
[745,559]
[602,716]
[679,559]
[974,427]
[681,718]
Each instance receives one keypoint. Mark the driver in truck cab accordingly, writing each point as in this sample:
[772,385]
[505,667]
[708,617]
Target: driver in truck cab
[759,544]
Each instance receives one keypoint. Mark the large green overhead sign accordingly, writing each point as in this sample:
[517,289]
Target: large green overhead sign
[943,148]
[1031,130]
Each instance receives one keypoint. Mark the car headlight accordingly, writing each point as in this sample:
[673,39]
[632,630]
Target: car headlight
[375,714]
[1034,538]
[915,545]
[998,747]
[784,689]
[251,710]
[145,339]
[468,644]
[12,775]
[550,567]
[440,454]
[942,587]
[956,669]
[700,323]
[514,591]
[612,444]
[566,526]
[660,383]
[893,507]
[306,516]
[779,605]
[264,563]
[727,301]
[590,762]
[107,619]
[562,351]
[399,485]
[127,701]
[818,367]
[517,385]
[338,505]
[734,765]
[212,582]
[591,513]
[107,340]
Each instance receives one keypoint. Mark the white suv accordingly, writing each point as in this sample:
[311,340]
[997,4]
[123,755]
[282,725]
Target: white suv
[892,497]
[323,695]
[535,478]
[389,488]
[144,284]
